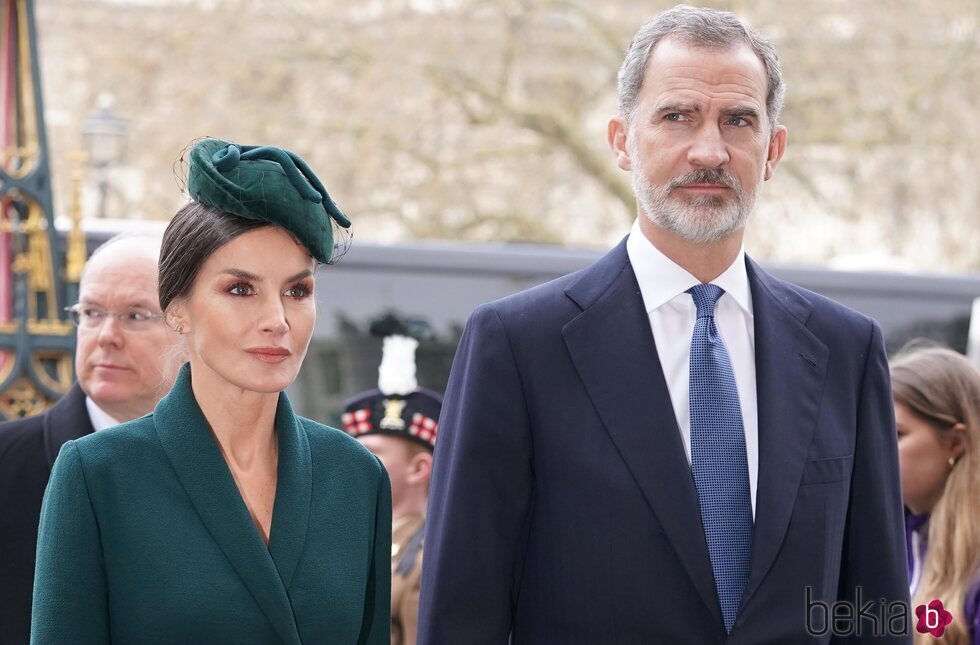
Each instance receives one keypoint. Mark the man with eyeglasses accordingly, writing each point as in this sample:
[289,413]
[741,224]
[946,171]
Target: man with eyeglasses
[125,360]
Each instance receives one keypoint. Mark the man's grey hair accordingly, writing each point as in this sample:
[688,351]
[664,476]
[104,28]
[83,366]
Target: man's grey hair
[698,27]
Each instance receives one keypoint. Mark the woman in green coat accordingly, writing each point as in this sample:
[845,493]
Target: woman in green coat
[223,517]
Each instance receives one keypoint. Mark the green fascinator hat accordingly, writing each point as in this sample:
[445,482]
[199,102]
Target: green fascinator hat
[268,184]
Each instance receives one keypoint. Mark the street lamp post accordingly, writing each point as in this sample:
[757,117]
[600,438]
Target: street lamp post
[104,141]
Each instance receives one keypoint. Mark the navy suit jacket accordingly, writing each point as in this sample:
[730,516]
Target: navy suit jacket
[28,448]
[563,509]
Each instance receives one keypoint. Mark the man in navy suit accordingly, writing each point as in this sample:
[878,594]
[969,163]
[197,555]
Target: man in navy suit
[671,445]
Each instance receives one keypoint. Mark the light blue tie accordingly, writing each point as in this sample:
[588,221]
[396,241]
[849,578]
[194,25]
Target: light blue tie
[718,461]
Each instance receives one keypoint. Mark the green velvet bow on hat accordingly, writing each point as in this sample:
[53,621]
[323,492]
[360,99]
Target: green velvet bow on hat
[268,184]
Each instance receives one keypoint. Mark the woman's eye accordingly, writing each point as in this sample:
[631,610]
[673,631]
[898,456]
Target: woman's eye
[240,289]
[300,291]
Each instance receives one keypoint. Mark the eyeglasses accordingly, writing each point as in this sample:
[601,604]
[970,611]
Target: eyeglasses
[91,317]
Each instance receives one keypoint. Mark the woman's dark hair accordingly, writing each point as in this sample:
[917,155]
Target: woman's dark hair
[195,232]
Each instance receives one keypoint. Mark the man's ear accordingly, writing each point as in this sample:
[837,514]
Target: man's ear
[420,469]
[777,146]
[616,133]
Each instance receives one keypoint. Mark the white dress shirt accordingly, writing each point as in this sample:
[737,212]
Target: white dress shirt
[99,417]
[672,315]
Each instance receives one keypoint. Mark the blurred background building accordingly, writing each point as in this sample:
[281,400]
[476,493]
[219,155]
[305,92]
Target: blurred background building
[439,284]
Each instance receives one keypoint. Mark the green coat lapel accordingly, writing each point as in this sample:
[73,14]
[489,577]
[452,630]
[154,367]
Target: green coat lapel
[291,513]
[189,445]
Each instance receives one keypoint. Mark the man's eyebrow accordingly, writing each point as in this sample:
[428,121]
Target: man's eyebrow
[741,110]
[133,303]
[681,108]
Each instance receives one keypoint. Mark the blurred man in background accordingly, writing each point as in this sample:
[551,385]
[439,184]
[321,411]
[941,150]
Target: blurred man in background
[125,361]
[398,423]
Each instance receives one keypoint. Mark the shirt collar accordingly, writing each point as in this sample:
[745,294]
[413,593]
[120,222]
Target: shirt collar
[661,279]
[100,418]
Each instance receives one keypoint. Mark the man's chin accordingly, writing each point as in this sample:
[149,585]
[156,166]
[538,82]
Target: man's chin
[698,232]
[713,202]
[708,237]
[103,392]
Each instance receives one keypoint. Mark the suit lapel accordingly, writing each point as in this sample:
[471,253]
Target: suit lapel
[790,364]
[66,420]
[192,450]
[613,350]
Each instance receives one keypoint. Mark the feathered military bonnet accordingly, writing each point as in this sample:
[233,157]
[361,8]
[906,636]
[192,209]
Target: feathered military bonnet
[268,184]
[399,407]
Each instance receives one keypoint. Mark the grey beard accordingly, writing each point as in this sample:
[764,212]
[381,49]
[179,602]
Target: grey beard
[702,218]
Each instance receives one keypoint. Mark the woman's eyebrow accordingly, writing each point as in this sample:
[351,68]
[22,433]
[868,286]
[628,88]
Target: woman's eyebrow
[243,274]
[251,277]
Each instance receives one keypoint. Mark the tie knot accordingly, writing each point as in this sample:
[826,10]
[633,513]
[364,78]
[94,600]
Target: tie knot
[705,296]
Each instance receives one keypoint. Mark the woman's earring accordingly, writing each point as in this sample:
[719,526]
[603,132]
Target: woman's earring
[952,462]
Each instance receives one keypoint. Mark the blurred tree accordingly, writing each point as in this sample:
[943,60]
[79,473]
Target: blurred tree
[485,119]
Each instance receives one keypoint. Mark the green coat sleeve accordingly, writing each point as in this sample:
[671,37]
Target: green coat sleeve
[70,599]
[376,628]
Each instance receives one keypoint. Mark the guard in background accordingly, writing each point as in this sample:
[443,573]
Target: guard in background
[398,422]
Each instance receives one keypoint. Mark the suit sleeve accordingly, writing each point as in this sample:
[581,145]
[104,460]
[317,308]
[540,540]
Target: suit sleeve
[874,557]
[481,493]
[70,591]
[376,627]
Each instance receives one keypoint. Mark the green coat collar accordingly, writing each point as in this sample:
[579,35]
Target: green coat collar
[191,448]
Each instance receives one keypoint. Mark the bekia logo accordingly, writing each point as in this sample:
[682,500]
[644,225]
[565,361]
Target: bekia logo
[933,618]
[859,618]
[865,616]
